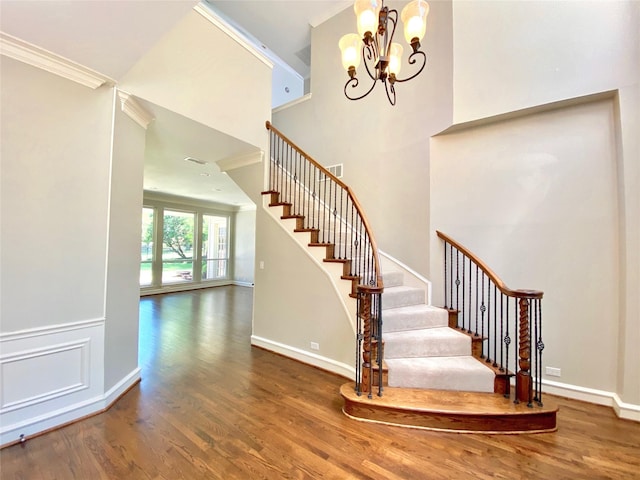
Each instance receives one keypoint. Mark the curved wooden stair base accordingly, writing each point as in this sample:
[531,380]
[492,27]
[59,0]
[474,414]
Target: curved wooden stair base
[450,411]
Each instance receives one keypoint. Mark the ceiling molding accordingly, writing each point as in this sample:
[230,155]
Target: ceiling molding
[231,163]
[133,109]
[40,58]
[230,32]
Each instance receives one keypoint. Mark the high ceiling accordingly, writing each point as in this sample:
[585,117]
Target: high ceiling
[111,36]
[283,26]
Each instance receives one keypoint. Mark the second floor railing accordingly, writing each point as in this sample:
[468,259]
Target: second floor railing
[327,208]
[506,322]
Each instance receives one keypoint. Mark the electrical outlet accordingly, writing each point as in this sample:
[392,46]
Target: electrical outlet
[261,265]
[315,346]
[552,372]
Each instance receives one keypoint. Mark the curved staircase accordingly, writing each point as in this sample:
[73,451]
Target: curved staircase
[436,373]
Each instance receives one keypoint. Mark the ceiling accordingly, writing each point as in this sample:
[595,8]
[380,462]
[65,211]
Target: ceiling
[111,36]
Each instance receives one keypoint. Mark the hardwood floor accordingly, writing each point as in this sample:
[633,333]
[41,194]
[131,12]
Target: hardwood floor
[212,407]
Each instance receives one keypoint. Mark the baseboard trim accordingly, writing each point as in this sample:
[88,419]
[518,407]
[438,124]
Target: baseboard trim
[243,284]
[627,411]
[34,427]
[303,356]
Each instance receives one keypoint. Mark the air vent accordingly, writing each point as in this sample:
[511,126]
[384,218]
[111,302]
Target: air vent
[335,170]
[195,160]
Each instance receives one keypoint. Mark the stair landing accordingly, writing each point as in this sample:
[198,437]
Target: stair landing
[449,411]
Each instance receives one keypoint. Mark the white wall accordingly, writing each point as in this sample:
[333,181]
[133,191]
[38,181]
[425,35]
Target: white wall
[198,71]
[244,247]
[123,268]
[55,152]
[518,54]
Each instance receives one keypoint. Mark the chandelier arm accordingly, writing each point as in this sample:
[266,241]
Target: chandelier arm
[355,82]
[388,86]
[371,53]
[395,23]
[412,60]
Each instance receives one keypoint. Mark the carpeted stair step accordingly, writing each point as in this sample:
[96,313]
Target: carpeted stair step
[401,296]
[463,373]
[428,342]
[413,317]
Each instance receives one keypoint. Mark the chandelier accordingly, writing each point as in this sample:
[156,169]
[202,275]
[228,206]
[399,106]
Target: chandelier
[374,43]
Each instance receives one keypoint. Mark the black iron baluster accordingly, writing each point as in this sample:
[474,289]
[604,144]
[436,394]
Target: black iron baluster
[464,290]
[483,309]
[539,349]
[323,205]
[477,306]
[495,325]
[516,337]
[446,304]
[457,282]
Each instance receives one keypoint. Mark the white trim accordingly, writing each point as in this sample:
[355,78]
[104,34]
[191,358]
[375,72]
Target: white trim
[238,283]
[122,386]
[30,54]
[183,287]
[239,161]
[303,356]
[130,106]
[231,33]
[292,103]
[623,410]
[49,330]
[71,413]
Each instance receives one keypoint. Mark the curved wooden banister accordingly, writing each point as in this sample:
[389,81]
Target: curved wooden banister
[490,273]
[354,199]
[486,315]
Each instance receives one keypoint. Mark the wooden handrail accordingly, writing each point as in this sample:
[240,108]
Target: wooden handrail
[356,203]
[270,126]
[490,273]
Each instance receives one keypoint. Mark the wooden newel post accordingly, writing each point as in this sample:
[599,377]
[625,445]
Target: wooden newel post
[365,315]
[523,377]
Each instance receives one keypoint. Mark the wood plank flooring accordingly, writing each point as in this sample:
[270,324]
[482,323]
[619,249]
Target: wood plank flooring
[212,407]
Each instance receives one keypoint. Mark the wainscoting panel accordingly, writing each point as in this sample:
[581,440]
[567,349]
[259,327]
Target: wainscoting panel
[51,372]
[49,376]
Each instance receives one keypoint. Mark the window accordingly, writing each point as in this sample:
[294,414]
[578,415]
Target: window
[146,247]
[177,247]
[183,244]
[215,255]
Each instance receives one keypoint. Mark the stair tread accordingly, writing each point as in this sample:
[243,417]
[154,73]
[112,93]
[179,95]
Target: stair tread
[463,373]
[463,362]
[413,317]
[427,334]
[447,401]
[426,342]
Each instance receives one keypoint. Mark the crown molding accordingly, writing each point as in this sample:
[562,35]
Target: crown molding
[239,161]
[133,109]
[233,34]
[30,54]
